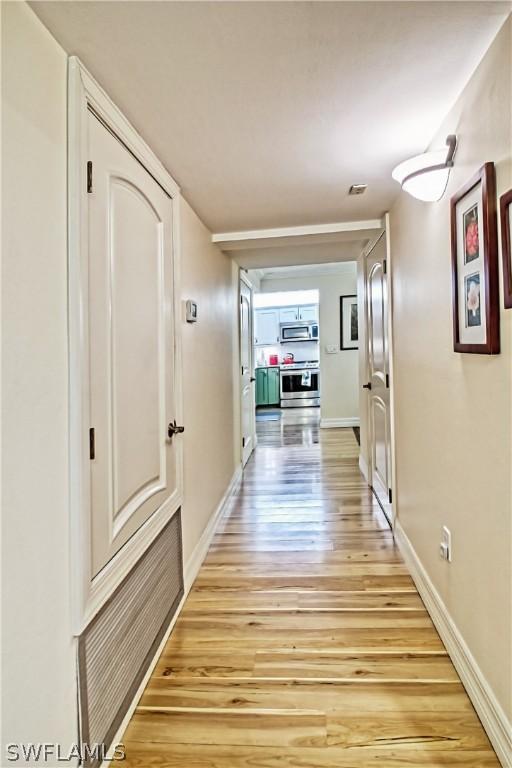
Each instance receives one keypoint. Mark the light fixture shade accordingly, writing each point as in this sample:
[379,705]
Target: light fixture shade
[426,176]
[429,187]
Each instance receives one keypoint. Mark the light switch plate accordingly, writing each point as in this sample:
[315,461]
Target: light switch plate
[191,311]
[445,547]
[331,349]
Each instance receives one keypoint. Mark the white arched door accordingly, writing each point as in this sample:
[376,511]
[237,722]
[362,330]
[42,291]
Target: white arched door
[134,467]
[379,416]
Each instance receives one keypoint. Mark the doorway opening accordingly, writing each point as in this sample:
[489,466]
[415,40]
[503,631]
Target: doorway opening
[319,342]
[304,347]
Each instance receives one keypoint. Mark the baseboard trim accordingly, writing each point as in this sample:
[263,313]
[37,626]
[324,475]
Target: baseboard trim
[363,467]
[490,712]
[352,421]
[191,570]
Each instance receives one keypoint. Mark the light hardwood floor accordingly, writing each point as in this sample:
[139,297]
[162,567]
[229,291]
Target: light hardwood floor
[304,643]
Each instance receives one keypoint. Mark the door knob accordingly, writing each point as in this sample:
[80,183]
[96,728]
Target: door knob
[367,386]
[173,429]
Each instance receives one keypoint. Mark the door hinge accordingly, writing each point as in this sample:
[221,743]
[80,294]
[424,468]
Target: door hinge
[385,266]
[387,380]
[390,495]
[92,444]
[89,176]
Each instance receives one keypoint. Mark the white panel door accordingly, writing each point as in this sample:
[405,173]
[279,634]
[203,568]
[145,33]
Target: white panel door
[247,379]
[378,369]
[132,367]
[267,327]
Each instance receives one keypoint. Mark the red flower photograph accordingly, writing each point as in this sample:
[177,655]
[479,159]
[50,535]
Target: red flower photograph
[471,244]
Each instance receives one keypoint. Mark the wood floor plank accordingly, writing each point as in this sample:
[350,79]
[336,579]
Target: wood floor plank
[369,666]
[303,642]
[225,601]
[447,730]
[326,695]
[258,727]
[144,754]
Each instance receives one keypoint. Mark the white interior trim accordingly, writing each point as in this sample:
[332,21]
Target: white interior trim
[242,277]
[191,570]
[350,421]
[87,593]
[391,370]
[311,229]
[494,720]
[391,506]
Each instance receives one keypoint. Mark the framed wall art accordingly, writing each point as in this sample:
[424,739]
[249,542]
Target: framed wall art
[475,291]
[506,229]
[349,334]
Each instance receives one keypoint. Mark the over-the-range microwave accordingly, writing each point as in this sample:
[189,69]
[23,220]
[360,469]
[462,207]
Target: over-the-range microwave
[299,331]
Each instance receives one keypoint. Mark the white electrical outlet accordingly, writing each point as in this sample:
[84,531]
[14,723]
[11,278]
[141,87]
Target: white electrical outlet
[445,548]
[331,349]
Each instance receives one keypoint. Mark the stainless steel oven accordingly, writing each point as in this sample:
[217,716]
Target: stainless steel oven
[300,385]
[299,331]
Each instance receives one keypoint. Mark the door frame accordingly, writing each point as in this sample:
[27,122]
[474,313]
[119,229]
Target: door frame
[88,594]
[369,453]
[242,277]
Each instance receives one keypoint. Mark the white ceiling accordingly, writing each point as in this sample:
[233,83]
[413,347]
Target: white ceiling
[306,270]
[262,256]
[266,112]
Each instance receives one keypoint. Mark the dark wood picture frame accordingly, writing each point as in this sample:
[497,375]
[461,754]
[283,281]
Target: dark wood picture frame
[505,204]
[343,348]
[487,178]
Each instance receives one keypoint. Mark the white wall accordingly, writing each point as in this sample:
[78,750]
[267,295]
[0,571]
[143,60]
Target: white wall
[254,277]
[38,687]
[209,392]
[453,411]
[302,351]
[339,371]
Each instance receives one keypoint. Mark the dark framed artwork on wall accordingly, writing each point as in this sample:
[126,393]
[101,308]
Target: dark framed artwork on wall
[475,282]
[506,229]
[349,333]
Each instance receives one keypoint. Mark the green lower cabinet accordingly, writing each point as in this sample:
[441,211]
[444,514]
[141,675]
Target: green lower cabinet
[267,386]
[273,386]
[261,386]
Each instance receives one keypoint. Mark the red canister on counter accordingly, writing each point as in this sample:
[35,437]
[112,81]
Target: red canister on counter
[273,359]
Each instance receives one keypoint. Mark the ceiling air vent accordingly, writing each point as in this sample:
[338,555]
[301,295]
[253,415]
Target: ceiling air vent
[358,189]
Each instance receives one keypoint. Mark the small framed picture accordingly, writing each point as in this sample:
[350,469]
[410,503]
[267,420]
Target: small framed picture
[506,229]
[475,291]
[349,334]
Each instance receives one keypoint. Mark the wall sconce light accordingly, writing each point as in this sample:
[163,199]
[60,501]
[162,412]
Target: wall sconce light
[426,176]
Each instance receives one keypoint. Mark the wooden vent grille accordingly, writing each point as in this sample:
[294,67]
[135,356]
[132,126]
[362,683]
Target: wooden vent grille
[116,648]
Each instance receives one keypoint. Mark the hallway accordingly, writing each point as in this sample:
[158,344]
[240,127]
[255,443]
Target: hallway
[303,642]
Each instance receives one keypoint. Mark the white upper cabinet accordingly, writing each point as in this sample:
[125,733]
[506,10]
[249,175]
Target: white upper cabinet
[309,313]
[267,321]
[266,327]
[289,314]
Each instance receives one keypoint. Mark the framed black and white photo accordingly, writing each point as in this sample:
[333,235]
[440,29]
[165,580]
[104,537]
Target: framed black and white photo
[349,335]
[475,292]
